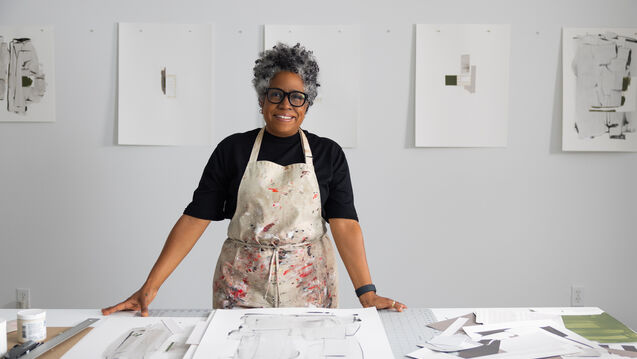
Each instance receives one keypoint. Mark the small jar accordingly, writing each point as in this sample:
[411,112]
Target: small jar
[31,325]
[3,337]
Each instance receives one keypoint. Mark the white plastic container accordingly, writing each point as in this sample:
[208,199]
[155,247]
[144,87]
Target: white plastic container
[31,325]
[3,337]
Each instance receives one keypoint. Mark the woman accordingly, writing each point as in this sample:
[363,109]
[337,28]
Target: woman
[278,185]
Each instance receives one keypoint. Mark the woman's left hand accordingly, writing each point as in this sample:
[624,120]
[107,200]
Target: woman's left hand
[371,299]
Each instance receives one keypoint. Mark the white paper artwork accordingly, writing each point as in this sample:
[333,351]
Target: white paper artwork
[300,333]
[135,337]
[600,89]
[27,74]
[165,84]
[462,85]
[335,111]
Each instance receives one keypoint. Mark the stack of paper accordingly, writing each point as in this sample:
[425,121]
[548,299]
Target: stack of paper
[524,333]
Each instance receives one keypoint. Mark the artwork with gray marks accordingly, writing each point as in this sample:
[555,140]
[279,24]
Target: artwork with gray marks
[22,81]
[605,88]
[307,336]
[467,76]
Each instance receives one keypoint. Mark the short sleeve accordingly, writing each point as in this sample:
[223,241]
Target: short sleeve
[209,198]
[340,201]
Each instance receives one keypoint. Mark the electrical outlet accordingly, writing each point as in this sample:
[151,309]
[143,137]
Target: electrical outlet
[23,297]
[577,296]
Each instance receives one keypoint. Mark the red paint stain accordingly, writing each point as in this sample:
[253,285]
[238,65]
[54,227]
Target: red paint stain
[307,266]
[312,287]
[303,275]
[267,227]
[315,195]
[273,189]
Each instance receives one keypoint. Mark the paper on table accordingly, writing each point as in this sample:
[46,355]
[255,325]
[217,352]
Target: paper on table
[424,353]
[475,331]
[173,326]
[453,328]
[535,344]
[444,324]
[533,339]
[109,329]
[199,330]
[569,311]
[623,353]
[220,338]
[601,328]
[493,316]
[450,343]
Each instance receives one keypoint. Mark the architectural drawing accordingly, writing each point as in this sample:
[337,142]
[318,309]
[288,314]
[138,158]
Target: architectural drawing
[467,76]
[605,90]
[284,336]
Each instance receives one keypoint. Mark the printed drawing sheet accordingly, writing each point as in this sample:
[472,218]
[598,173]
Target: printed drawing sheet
[462,85]
[27,74]
[136,337]
[301,333]
[335,111]
[600,89]
[165,84]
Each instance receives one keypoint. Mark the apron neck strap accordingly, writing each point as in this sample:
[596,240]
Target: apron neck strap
[307,153]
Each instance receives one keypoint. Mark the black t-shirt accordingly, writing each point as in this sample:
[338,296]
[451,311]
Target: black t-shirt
[216,197]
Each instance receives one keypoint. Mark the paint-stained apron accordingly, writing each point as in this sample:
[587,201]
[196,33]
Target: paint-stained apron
[277,253]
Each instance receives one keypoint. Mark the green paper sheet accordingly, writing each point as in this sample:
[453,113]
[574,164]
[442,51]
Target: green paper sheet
[601,328]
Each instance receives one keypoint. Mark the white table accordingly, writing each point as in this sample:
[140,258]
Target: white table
[72,317]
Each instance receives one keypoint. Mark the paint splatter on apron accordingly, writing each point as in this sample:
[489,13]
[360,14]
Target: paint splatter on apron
[277,253]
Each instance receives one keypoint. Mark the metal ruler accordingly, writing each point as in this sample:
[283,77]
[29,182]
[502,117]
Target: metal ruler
[60,338]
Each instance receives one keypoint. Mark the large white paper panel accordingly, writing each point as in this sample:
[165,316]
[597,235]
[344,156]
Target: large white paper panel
[173,108]
[336,108]
[27,74]
[220,340]
[600,89]
[110,329]
[474,112]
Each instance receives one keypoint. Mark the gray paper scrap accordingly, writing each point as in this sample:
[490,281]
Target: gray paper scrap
[443,325]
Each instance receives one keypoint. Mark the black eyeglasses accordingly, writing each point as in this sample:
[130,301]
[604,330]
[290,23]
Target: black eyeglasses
[276,96]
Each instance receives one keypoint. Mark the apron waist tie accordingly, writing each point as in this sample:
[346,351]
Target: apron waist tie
[274,260]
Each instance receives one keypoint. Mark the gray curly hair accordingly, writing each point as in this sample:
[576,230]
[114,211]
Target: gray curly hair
[282,57]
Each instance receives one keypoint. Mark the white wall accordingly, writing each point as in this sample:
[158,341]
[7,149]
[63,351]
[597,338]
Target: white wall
[92,216]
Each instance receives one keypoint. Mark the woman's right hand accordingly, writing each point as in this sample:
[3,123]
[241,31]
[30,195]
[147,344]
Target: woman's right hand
[138,301]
